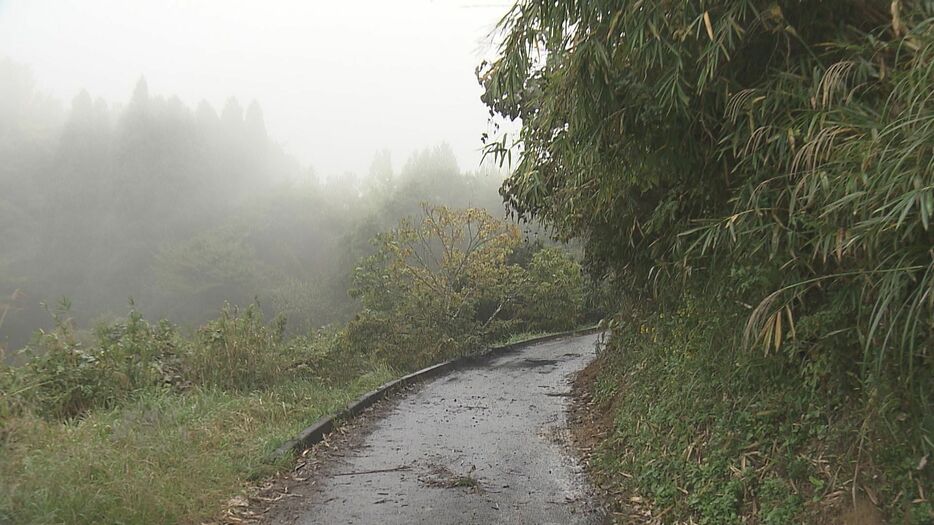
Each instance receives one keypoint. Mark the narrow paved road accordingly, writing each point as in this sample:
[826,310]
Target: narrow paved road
[485,444]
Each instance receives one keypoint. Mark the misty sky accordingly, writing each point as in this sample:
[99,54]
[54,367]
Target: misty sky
[336,80]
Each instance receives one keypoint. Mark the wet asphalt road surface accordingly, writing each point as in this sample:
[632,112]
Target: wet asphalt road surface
[482,444]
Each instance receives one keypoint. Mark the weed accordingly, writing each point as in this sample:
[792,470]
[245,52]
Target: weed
[712,432]
[163,458]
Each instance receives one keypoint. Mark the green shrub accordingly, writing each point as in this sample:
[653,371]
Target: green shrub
[239,351]
[436,288]
[67,375]
[552,292]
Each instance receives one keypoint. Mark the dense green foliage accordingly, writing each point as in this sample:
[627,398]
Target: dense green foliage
[782,152]
[792,137]
[553,294]
[448,286]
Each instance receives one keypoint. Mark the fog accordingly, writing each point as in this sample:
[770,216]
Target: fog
[177,155]
[336,80]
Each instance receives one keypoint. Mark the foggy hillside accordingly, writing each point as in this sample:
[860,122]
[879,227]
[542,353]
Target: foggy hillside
[182,209]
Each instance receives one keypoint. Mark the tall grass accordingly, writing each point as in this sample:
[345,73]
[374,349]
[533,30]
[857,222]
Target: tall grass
[162,458]
[137,423]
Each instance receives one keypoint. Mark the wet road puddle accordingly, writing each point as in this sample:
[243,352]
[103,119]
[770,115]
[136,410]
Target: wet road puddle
[532,363]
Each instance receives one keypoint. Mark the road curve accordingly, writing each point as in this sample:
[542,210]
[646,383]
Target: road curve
[482,444]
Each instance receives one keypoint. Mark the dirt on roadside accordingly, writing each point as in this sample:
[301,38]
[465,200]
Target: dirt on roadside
[591,422]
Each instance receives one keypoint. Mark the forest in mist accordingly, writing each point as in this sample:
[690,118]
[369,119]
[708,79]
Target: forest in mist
[181,209]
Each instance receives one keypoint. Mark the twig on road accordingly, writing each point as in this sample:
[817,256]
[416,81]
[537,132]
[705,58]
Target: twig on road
[376,471]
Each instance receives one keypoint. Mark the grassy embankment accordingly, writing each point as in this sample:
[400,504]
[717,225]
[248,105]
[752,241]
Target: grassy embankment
[697,426]
[139,424]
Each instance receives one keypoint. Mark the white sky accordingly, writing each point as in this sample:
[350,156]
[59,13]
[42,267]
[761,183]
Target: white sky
[336,80]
